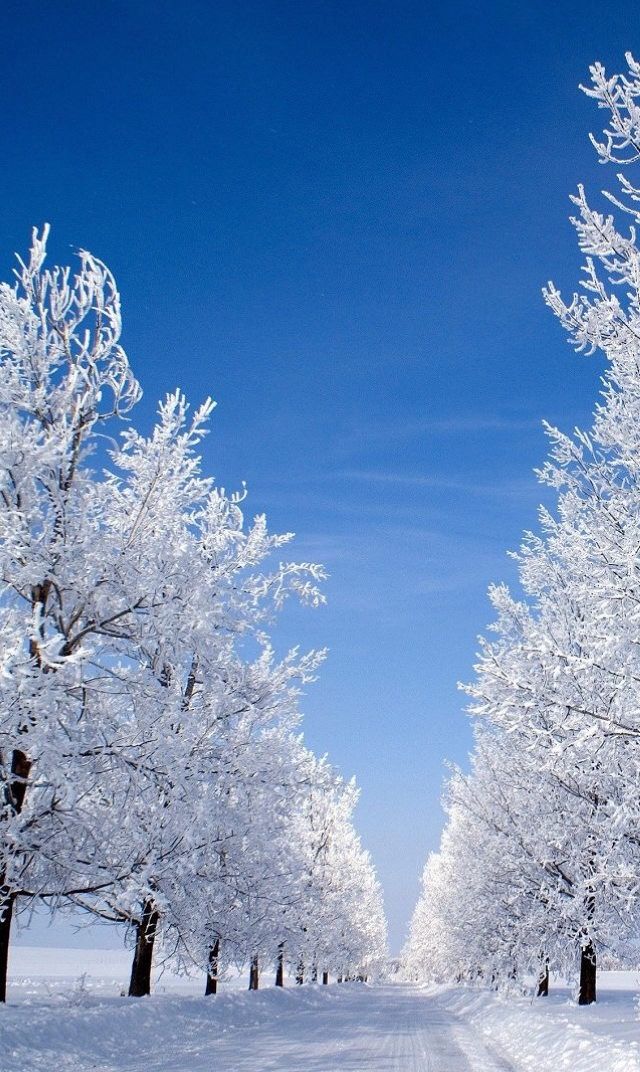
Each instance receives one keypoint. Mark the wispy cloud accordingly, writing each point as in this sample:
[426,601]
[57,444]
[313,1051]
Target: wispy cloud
[404,562]
[413,480]
[522,487]
[470,424]
[416,428]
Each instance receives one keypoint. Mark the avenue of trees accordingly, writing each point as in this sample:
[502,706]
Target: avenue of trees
[539,864]
[151,764]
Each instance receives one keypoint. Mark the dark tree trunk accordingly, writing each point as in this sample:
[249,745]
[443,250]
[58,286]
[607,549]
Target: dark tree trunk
[254,974]
[588,965]
[140,984]
[325,978]
[339,978]
[543,981]
[212,975]
[300,973]
[587,991]
[314,974]
[14,794]
[280,967]
[6,910]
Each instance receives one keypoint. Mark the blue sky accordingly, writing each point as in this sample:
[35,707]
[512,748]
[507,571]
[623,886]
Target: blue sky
[336,217]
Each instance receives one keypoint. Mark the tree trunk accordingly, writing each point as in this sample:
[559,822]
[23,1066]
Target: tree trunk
[588,965]
[325,978]
[587,991]
[6,910]
[140,984]
[14,794]
[314,974]
[543,981]
[254,974]
[300,973]
[280,967]
[212,975]
[339,978]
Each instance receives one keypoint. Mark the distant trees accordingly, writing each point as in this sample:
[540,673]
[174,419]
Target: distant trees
[540,862]
[150,764]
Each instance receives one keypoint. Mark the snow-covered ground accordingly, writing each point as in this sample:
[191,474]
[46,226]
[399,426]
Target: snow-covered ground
[56,1023]
[554,1034]
[35,972]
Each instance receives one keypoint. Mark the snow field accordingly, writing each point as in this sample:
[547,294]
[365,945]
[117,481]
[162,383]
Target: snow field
[35,972]
[56,1023]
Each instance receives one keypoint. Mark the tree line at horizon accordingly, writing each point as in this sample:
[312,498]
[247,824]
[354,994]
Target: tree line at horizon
[153,772]
[539,863]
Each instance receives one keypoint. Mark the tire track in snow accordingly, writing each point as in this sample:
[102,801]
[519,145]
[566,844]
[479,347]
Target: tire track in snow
[362,1029]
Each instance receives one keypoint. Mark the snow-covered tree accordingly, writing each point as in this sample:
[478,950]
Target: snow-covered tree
[149,747]
[341,927]
[63,378]
[555,775]
[205,700]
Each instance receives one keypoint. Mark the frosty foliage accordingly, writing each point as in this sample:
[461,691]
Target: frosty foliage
[540,860]
[149,752]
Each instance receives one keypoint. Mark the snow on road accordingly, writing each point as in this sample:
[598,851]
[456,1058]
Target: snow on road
[58,1021]
[333,1029]
[369,1029]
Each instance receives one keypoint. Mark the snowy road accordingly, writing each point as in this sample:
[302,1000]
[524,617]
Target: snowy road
[368,1029]
[309,1029]
[52,1025]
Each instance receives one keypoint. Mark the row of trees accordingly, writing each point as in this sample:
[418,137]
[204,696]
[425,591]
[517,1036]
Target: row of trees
[151,765]
[540,860]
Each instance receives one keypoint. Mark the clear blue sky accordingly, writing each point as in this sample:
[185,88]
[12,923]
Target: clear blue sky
[336,217]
